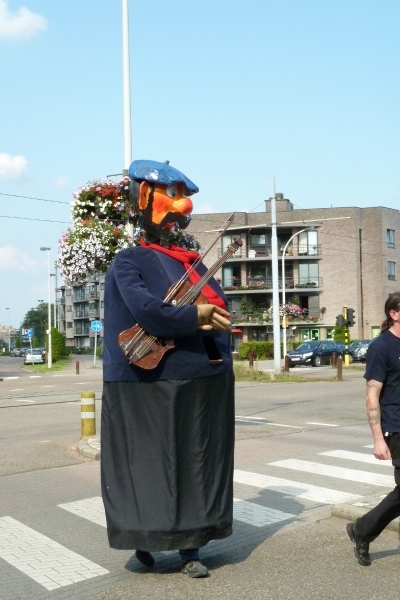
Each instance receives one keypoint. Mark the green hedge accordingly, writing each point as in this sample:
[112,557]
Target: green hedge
[263,350]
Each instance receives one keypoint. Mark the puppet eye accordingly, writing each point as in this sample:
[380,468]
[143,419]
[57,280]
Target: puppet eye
[171,191]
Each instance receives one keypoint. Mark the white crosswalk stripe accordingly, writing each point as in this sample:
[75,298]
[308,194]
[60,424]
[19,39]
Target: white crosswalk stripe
[338,472]
[358,456]
[92,509]
[293,488]
[41,558]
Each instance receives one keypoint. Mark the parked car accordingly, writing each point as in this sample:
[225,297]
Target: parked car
[16,352]
[315,353]
[34,356]
[358,350]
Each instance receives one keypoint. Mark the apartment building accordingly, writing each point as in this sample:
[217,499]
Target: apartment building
[345,257]
[337,257]
[79,307]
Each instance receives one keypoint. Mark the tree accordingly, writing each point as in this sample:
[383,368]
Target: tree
[57,344]
[37,319]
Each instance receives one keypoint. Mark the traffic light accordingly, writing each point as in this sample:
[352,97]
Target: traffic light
[350,317]
[340,321]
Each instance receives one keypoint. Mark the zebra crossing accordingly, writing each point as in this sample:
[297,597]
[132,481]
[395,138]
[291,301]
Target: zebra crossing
[52,566]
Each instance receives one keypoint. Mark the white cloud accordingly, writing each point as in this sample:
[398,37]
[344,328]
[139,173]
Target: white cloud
[15,259]
[21,24]
[11,167]
[61,181]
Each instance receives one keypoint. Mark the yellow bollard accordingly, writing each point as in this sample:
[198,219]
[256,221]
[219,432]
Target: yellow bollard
[88,414]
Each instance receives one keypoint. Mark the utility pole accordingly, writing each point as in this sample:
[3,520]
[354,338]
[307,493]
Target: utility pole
[275,284]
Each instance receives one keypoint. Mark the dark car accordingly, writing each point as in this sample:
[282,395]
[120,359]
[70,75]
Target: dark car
[358,350]
[16,352]
[315,353]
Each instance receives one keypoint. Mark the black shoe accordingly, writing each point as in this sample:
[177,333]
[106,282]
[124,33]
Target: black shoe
[194,568]
[361,548]
[145,558]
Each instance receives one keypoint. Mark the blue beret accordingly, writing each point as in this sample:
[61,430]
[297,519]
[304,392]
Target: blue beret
[157,172]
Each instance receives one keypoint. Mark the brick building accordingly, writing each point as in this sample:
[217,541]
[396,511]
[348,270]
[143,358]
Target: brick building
[348,260]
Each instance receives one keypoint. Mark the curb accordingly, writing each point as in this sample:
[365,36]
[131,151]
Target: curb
[90,447]
[351,512]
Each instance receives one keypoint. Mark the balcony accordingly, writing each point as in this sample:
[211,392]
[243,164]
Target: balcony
[94,313]
[81,297]
[256,284]
[94,295]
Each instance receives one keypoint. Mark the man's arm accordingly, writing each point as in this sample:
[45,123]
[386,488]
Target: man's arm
[381,451]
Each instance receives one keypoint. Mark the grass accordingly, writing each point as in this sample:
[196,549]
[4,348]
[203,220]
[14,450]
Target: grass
[61,364]
[243,373]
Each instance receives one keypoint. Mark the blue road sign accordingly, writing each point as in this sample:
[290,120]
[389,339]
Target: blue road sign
[96,326]
[28,332]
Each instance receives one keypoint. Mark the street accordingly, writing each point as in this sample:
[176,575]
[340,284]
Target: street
[301,448]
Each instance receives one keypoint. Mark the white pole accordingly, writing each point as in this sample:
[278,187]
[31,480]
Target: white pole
[9,332]
[275,284]
[55,297]
[284,288]
[127,91]
[127,99]
[95,348]
[49,359]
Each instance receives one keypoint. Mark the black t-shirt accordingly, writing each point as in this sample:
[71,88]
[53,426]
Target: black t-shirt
[383,364]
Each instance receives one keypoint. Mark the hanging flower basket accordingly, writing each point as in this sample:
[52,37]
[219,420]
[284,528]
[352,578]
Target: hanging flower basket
[102,200]
[100,211]
[89,248]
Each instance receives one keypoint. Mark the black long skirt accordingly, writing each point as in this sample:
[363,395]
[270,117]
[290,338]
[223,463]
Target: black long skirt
[167,462]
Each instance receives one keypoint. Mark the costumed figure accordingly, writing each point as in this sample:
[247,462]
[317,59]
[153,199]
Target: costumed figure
[168,424]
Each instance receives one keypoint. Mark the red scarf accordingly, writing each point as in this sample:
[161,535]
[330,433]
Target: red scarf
[187,257]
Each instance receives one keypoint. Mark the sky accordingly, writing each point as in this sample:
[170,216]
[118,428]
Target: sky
[232,93]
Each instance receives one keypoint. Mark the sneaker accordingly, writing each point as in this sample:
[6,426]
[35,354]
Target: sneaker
[145,558]
[361,548]
[194,568]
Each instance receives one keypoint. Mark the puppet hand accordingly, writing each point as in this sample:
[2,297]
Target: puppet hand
[210,317]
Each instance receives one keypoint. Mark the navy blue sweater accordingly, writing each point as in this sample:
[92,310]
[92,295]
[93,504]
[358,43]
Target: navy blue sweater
[135,286]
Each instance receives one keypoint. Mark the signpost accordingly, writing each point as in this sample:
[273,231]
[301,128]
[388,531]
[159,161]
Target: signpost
[96,327]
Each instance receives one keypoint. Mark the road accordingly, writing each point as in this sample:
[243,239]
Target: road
[300,448]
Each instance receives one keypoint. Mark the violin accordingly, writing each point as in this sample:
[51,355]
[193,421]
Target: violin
[146,351]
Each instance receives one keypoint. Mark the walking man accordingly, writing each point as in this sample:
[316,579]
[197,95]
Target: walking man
[383,411]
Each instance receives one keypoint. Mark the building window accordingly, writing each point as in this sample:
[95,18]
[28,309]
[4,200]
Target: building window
[68,308]
[102,304]
[308,274]
[390,238]
[69,325]
[308,243]
[102,286]
[391,270]
[68,292]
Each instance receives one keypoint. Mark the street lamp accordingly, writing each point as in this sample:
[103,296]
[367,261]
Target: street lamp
[41,320]
[49,358]
[9,331]
[284,286]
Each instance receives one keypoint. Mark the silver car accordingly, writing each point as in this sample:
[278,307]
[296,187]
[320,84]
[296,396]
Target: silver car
[34,356]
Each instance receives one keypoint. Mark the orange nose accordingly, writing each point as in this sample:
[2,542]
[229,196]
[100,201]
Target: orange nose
[183,206]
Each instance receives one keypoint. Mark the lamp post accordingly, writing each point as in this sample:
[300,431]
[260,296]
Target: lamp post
[9,331]
[284,286]
[49,358]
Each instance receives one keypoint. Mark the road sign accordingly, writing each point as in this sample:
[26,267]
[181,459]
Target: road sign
[28,332]
[96,326]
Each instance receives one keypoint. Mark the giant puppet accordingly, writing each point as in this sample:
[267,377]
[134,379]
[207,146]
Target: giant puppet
[168,429]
